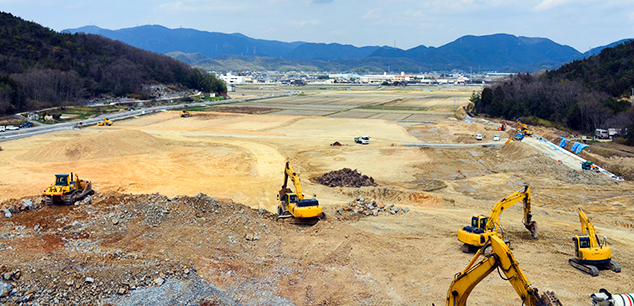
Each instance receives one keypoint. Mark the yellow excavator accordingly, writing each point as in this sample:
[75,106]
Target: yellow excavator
[502,259]
[516,137]
[522,128]
[104,122]
[67,190]
[293,204]
[590,254]
[482,226]
[185,113]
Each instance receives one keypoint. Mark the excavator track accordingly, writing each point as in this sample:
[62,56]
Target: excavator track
[588,269]
[48,201]
[614,266]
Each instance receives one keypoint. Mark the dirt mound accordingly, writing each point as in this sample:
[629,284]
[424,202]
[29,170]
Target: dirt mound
[98,145]
[546,166]
[393,194]
[345,177]
[516,150]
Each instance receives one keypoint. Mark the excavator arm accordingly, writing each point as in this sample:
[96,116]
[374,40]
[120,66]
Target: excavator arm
[500,258]
[288,172]
[520,195]
[588,228]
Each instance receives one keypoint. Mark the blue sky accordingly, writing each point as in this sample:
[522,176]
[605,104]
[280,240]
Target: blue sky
[581,24]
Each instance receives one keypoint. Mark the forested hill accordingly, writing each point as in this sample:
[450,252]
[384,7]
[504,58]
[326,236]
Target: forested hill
[611,71]
[582,95]
[41,68]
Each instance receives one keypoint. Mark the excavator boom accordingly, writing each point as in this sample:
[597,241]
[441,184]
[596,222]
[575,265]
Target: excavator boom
[288,172]
[482,264]
[520,195]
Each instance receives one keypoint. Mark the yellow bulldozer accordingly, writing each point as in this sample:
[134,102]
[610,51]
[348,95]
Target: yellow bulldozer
[105,122]
[67,190]
[185,113]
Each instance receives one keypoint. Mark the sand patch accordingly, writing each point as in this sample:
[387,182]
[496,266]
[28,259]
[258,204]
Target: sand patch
[99,145]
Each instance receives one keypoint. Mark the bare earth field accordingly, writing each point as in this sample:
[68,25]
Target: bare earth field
[149,237]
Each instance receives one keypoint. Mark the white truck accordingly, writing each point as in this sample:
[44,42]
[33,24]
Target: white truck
[362,139]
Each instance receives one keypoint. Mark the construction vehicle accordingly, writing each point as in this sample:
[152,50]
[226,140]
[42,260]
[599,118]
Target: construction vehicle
[605,298]
[501,258]
[185,113]
[516,137]
[362,139]
[502,127]
[67,190]
[590,254]
[482,227]
[522,128]
[105,122]
[588,165]
[293,204]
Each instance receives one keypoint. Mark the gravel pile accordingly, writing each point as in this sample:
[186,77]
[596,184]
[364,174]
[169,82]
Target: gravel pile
[369,207]
[345,177]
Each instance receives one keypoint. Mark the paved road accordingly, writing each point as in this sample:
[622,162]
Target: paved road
[455,145]
[49,128]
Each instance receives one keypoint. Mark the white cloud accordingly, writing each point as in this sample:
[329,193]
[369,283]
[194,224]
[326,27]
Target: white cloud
[301,24]
[338,32]
[192,6]
[374,14]
[549,4]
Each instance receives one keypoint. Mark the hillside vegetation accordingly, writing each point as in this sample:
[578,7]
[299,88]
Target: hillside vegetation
[42,68]
[582,95]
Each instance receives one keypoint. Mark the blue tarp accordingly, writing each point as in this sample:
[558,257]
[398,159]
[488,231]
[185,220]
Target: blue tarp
[577,147]
[564,142]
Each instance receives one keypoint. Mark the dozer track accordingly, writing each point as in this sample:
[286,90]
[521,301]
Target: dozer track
[48,200]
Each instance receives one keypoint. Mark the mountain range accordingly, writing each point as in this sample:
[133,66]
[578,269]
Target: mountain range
[220,51]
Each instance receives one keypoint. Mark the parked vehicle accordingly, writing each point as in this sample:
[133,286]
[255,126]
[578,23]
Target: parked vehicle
[496,138]
[362,139]
[478,136]
[2,128]
[602,134]
[26,125]
[12,128]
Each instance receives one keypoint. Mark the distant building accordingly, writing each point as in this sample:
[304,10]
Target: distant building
[233,79]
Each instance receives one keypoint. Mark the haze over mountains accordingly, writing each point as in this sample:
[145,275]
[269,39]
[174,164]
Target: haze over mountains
[220,51]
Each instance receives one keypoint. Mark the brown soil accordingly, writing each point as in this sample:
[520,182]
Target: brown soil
[246,110]
[97,145]
[149,221]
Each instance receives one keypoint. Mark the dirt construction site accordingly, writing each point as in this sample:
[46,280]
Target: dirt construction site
[185,209]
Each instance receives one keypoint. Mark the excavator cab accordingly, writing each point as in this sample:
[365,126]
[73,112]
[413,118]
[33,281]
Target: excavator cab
[61,179]
[479,221]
